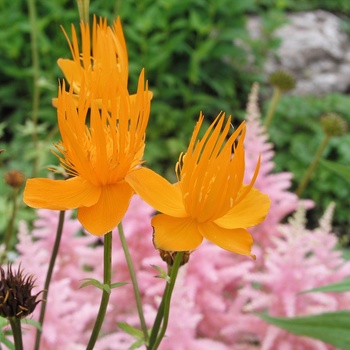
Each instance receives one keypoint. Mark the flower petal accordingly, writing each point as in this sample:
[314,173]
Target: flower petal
[60,194]
[175,234]
[236,240]
[250,211]
[157,192]
[72,71]
[109,211]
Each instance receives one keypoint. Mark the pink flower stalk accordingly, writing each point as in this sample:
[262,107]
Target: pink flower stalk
[276,185]
[298,260]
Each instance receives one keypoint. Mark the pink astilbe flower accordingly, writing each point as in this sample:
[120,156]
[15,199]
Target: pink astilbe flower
[298,260]
[276,185]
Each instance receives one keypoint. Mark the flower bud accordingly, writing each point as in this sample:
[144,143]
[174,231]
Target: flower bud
[14,178]
[333,125]
[16,299]
[283,80]
[169,257]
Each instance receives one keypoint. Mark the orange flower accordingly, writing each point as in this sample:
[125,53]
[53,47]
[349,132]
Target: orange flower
[209,200]
[100,146]
[105,57]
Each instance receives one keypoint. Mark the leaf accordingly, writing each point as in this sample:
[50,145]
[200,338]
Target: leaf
[162,274]
[3,339]
[8,343]
[92,282]
[137,344]
[106,288]
[118,284]
[32,322]
[134,332]
[339,169]
[332,327]
[342,286]
[345,253]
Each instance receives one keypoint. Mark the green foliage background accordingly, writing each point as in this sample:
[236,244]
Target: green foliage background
[198,56]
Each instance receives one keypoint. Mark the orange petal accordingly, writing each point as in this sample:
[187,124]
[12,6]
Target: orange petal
[109,211]
[72,71]
[175,234]
[236,240]
[60,194]
[250,211]
[75,98]
[157,192]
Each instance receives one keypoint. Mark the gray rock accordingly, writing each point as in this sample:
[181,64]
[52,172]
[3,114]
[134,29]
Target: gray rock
[314,49]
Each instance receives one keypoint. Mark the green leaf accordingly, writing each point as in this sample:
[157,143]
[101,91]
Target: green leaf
[3,339]
[332,327]
[345,253]
[92,282]
[137,344]
[162,274]
[134,332]
[342,286]
[8,343]
[32,322]
[339,169]
[106,288]
[118,284]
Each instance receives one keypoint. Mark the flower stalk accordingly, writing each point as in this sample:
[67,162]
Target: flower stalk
[282,81]
[333,125]
[107,276]
[15,323]
[36,88]
[162,317]
[83,9]
[49,276]
[10,226]
[134,282]
[276,96]
[311,169]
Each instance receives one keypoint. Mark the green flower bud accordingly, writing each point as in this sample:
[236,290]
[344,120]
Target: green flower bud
[283,80]
[334,125]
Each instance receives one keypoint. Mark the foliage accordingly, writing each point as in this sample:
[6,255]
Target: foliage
[197,54]
[341,170]
[195,61]
[297,133]
[332,327]
[342,286]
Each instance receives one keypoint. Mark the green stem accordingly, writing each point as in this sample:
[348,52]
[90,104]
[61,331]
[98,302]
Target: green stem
[276,96]
[83,8]
[9,230]
[134,282]
[48,277]
[158,320]
[107,276]
[167,299]
[36,88]
[312,166]
[17,332]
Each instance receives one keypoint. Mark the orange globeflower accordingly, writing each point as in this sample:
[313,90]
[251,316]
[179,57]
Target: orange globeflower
[100,146]
[97,61]
[209,200]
